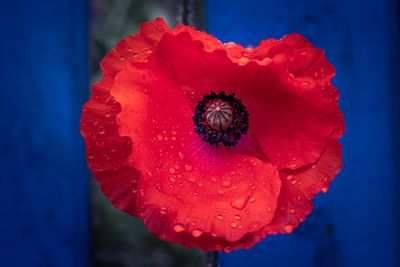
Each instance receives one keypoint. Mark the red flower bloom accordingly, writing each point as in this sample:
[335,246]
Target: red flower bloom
[213,170]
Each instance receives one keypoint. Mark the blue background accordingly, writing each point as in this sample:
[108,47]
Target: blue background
[44,191]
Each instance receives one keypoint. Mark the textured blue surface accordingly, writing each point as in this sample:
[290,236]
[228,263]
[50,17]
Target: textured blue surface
[44,203]
[355,223]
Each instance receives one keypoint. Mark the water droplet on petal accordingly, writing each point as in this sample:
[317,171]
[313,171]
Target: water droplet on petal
[239,203]
[288,228]
[214,179]
[269,209]
[179,228]
[324,189]
[233,224]
[102,130]
[227,249]
[237,217]
[188,167]
[233,173]
[163,210]
[252,199]
[159,186]
[197,233]
[181,156]
[226,182]
[171,170]
[292,211]
[220,217]
[159,137]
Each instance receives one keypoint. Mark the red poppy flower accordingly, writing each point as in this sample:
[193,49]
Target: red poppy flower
[213,145]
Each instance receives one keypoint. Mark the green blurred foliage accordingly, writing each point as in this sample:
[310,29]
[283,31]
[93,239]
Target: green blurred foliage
[118,239]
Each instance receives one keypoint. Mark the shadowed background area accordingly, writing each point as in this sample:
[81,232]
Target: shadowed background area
[52,214]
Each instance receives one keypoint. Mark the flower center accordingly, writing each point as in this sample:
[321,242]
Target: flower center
[221,119]
[219,115]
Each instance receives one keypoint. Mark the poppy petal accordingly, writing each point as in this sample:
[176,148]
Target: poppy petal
[300,186]
[290,117]
[107,151]
[196,188]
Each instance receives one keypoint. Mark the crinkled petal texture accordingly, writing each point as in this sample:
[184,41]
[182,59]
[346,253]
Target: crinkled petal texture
[142,148]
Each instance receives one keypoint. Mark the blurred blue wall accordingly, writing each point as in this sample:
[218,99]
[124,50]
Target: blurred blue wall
[44,203]
[356,223]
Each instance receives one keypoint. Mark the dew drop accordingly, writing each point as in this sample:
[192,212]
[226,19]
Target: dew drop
[179,228]
[197,233]
[191,179]
[269,209]
[226,183]
[234,224]
[214,179]
[252,199]
[102,130]
[163,210]
[305,83]
[90,156]
[293,165]
[188,167]
[172,179]
[107,157]
[149,174]
[288,228]
[233,173]
[292,211]
[159,186]
[181,156]
[289,177]
[220,217]
[239,203]
[227,249]
[237,217]
[172,170]
[324,189]
[159,137]
[221,192]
